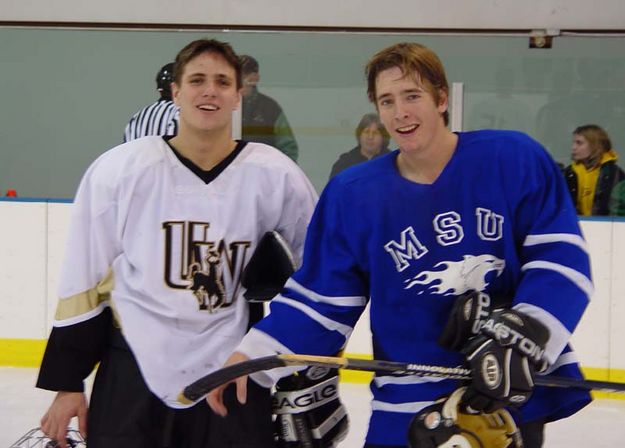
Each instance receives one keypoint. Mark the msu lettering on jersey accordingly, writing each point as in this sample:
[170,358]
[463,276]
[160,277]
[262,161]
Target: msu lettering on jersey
[138,205]
[498,219]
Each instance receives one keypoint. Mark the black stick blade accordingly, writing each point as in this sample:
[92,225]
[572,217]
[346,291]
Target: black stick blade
[204,385]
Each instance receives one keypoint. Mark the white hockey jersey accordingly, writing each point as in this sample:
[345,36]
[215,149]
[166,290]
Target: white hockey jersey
[165,251]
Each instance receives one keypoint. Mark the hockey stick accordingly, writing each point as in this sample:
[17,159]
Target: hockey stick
[201,387]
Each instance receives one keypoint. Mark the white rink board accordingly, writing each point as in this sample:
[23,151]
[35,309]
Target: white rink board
[22,269]
[58,229]
[592,337]
[617,304]
[33,239]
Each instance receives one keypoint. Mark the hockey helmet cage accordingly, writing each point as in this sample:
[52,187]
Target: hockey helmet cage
[35,438]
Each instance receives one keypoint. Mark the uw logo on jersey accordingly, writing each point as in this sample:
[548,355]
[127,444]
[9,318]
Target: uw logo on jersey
[204,267]
[458,277]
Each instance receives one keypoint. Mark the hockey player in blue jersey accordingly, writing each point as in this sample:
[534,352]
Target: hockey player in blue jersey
[449,222]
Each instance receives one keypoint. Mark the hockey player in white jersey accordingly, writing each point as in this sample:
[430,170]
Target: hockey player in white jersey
[161,231]
[450,222]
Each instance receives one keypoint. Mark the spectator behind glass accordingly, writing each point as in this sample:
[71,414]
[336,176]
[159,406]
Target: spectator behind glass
[159,118]
[594,174]
[263,118]
[372,141]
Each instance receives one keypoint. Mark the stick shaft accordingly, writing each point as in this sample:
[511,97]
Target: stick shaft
[201,387]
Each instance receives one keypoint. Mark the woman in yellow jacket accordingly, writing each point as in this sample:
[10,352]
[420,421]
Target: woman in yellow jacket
[594,174]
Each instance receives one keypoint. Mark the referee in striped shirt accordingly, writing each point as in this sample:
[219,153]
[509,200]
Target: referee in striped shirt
[159,118]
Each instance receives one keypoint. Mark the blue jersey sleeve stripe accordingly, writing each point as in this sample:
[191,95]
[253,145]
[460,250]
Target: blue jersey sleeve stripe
[257,344]
[580,280]
[533,240]
[360,301]
[330,324]
[558,333]
[564,359]
[409,408]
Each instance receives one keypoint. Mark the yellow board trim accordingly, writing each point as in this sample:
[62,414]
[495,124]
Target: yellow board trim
[21,352]
[29,353]
[355,376]
[599,374]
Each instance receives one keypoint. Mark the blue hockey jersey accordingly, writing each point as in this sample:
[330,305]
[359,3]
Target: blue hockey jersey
[498,219]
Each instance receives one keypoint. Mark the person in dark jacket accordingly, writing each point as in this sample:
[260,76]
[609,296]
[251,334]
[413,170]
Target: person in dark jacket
[617,200]
[264,120]
[372,141]
[594,174]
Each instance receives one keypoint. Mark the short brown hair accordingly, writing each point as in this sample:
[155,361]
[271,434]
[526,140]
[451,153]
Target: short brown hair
[201,46]
[366,121]
[598,140]
[414,60]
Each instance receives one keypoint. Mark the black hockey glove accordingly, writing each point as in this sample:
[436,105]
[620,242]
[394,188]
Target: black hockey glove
[468,314]
[308,411]
[271,265]
[503,358]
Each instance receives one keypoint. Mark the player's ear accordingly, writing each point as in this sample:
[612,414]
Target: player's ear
[175,91]
[443,101]
[237,106]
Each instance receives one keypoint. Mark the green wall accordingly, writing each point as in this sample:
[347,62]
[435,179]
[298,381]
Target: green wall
[67,94]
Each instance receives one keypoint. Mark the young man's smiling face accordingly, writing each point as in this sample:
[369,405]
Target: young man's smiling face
[408,110]
[207,93]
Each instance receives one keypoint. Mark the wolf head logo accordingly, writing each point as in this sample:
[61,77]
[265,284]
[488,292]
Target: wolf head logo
[458,277]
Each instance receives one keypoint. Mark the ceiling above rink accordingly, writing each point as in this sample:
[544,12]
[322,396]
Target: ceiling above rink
[402,14]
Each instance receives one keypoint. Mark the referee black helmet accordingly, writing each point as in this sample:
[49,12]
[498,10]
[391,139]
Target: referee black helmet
[164,78]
